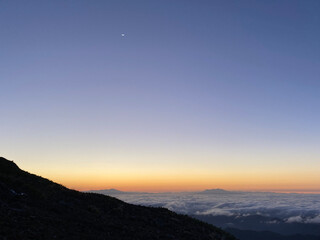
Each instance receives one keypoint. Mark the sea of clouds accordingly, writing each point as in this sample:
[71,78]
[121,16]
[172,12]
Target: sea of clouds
[287,208]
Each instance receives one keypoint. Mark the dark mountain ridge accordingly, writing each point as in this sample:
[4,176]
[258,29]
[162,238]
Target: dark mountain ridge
[32,207]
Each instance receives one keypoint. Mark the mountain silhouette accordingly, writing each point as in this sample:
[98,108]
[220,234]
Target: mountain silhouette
[32,207]
[215,191]
[113,191]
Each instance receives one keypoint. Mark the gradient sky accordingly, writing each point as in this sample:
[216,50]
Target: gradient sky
[197,94]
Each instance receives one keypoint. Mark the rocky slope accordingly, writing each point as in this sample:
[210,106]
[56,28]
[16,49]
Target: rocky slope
[32,207]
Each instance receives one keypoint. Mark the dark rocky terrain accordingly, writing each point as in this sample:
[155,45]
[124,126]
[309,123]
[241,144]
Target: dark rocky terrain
[32,207]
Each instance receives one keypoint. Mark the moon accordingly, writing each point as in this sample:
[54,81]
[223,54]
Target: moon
[122,34]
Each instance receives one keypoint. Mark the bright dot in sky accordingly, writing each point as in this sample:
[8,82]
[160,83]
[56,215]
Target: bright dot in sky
[122,34]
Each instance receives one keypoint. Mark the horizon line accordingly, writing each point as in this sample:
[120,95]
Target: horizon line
[284,191]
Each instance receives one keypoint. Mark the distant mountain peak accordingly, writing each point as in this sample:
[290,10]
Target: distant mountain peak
[107,191]
[216,190]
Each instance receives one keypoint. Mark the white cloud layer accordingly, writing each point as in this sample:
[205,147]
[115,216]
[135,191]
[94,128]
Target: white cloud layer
[290,208]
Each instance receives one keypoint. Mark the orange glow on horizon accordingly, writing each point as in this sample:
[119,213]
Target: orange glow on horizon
[136,178]
[179,183]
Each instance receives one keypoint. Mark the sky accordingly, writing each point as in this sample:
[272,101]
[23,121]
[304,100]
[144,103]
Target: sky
[195,95]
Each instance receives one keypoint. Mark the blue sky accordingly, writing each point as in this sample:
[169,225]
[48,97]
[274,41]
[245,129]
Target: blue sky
[205,86]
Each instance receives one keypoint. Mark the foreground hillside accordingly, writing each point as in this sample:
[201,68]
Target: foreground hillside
[32,207]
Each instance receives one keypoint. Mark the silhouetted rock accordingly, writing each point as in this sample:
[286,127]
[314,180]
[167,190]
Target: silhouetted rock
[32,207]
